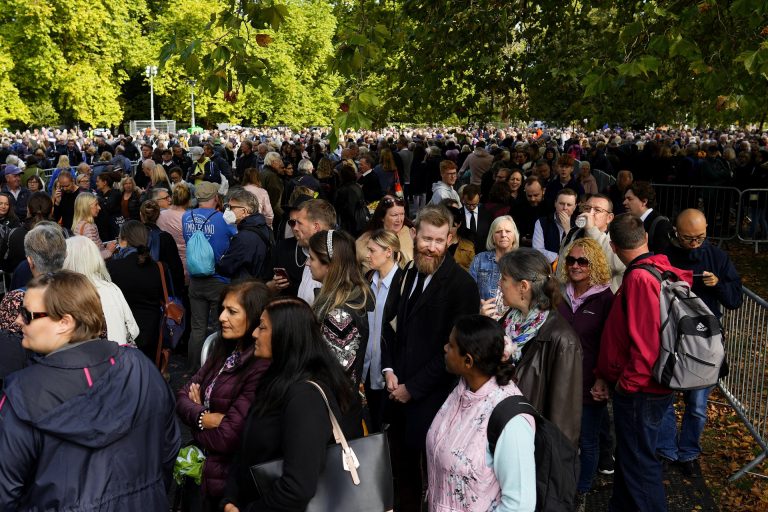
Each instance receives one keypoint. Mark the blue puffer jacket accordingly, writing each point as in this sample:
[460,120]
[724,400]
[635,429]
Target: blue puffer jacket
[91,427]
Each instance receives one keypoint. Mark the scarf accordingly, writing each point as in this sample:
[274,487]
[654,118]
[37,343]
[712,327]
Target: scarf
[522,329]
[124,252]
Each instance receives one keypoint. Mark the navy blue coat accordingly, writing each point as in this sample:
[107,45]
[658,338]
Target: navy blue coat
[727,292]
[91,427]
[247,252]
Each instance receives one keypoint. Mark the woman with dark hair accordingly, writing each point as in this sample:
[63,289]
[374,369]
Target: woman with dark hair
[499,200]
[344,299]
[137,275]
[35,184]
[390,215]
[348,197]
[61,450]
[460,474]
[215,401]
[289,418]
[385,170]
[8,220]
[39,208]
[109,201]
[546,351]
[162,246]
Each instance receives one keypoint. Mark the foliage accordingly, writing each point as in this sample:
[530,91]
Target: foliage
[287,82]
[72,55]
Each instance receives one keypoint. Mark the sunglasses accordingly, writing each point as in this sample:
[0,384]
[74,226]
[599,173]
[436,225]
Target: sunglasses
[389,202]
[571,261]
[27,316]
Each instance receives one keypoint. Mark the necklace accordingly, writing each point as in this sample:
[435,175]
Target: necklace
[296,256]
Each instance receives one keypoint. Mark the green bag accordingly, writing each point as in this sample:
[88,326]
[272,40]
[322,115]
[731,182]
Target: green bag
[189,463]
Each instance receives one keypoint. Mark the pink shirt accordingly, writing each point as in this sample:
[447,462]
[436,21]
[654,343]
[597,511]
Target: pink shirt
[170,222]
[460,477]
[265,207]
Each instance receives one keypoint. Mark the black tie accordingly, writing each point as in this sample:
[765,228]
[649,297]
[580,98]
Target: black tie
[416,293]
[472,222]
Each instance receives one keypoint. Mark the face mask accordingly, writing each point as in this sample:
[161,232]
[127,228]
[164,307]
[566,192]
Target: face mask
[229,216]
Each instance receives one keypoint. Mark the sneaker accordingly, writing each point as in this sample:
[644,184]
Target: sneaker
[691,468]
[606,465]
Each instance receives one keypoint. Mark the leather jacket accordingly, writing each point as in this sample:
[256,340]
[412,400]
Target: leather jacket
[549,374]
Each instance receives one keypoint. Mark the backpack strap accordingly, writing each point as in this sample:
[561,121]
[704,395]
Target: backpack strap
[505,411]
[204,222]
[652,229]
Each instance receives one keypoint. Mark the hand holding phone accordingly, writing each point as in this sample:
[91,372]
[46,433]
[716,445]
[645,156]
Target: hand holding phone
[281,278]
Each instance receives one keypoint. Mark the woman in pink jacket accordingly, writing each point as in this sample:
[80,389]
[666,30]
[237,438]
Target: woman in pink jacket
[463,474]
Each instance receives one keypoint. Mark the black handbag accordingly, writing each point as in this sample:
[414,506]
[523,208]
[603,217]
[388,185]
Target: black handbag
[357,475]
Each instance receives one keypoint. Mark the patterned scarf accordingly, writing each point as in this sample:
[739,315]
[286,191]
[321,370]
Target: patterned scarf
[521,330]
[232,361]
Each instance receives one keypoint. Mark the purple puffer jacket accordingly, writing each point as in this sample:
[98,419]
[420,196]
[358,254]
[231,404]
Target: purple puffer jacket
[232,396]
[588,322]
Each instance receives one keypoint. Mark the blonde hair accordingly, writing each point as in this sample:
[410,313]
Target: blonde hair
[387,240]
[490,245]
[599,271]
[83,203]
[158,175]
[63,162]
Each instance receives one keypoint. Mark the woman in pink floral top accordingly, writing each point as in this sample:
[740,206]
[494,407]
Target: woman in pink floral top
[463,474]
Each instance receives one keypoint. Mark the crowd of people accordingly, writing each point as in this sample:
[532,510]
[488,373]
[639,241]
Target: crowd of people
[417,277]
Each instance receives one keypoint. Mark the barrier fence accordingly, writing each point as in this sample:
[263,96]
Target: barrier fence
[746,346]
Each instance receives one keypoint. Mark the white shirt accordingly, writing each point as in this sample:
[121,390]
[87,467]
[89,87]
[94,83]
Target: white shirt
[308,286]
[646,214]
[538,240]
[468,214]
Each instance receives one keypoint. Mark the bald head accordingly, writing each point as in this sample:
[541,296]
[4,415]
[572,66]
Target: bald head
[691,219]
[691,228]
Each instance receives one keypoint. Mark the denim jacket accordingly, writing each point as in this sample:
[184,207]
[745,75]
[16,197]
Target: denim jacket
[485,271]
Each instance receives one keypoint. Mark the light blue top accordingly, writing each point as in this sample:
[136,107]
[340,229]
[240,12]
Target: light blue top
[216,230]
[515,466]
[375,318]
[485,271]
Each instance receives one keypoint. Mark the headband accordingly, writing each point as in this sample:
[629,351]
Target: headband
[329,243]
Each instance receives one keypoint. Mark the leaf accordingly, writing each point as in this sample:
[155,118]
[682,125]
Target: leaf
[630,32]
[684,48]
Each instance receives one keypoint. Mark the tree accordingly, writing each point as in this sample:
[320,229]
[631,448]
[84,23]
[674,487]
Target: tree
[72,56]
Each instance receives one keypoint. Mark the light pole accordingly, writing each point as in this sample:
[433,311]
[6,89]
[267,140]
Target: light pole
[192,92]
[151,74]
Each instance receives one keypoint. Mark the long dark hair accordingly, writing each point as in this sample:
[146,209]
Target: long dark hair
[385,203]
[135,234]
[483,338]
[11,215]
[299,353]
[39,208]
[252,296]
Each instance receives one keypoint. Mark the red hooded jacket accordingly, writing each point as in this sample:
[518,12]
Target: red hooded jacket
[629,346]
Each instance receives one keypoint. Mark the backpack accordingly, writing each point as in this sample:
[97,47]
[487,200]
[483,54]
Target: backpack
[652,227]
[556,457]
[201,261]
[691,338]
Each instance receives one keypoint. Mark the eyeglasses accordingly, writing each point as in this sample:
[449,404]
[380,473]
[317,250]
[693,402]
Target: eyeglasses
[471,205]
[235,207]
[166,198]
[292,222]
[692,239]
[571,261]
[585,208]
[27,316]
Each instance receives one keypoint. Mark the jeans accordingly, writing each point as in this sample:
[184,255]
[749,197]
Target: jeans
[637,483]
[687,446]
[589,443]
[204,293]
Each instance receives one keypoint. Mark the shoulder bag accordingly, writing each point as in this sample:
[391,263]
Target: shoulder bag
[172,322]
[357,475]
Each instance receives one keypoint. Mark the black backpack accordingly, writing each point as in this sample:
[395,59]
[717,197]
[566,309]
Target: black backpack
[557,468]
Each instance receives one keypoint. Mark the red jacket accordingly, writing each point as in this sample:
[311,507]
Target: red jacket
[629,346]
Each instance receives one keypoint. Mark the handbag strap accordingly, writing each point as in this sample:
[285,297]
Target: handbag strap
[349,456]
[162,280]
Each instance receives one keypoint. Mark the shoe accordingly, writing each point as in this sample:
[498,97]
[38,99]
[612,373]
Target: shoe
[606,465]
[691,468]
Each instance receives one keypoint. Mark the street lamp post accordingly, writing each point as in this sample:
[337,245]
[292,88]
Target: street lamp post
[151,74]
[192,92]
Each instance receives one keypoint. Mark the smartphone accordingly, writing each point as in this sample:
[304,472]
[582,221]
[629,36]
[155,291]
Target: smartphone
[281,272]
[698,275]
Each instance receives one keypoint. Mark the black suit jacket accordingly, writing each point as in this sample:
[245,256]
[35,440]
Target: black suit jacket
[417,355]
[659,240]
[483,227]
[371,187]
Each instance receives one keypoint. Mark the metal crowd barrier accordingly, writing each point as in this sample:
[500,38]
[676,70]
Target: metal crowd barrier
[753,219]
[721,206]
[746,345]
